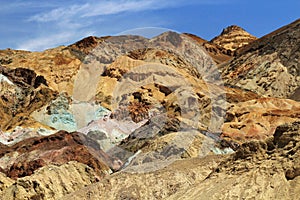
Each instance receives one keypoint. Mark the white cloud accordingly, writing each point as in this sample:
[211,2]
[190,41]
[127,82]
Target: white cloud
[60,24]
[59,13]
[101,8]
[18,6]
[110,7]
[70,22]
[44,42]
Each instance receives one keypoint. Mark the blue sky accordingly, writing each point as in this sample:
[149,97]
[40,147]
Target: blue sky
[36,25]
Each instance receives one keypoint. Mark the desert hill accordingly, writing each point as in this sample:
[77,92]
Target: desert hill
[170,117]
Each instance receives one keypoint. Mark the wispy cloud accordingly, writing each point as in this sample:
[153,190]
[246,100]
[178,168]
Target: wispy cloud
[65,23]
[70,21]
[13,6]
[109,7]
[43,42]
[60,13]
[101,8]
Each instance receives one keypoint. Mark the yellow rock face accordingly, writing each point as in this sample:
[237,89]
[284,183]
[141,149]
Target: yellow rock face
[258,119]
[57,65]
[232,38]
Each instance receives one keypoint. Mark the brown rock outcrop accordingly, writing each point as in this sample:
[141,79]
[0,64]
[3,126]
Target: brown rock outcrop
[23,77]
[59,65]
[85,46]
[25,157]
[22,91]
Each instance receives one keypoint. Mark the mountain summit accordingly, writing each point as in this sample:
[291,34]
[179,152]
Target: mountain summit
[232,28]
[233,37]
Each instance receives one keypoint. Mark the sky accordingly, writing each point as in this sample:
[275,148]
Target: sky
[36,25]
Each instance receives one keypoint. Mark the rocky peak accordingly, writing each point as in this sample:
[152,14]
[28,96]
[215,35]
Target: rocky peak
[232,28]
[233,37]
[83,47]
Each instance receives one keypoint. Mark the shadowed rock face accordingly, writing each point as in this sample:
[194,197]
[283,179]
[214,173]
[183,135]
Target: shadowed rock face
[24,158]
[22,91]
[296,95]
[23,78]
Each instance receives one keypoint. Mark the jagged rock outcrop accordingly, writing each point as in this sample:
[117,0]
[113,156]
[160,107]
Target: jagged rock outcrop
[233,38]
[22,91]
[268,66]
[25,157]
[85,46]
[23,77]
